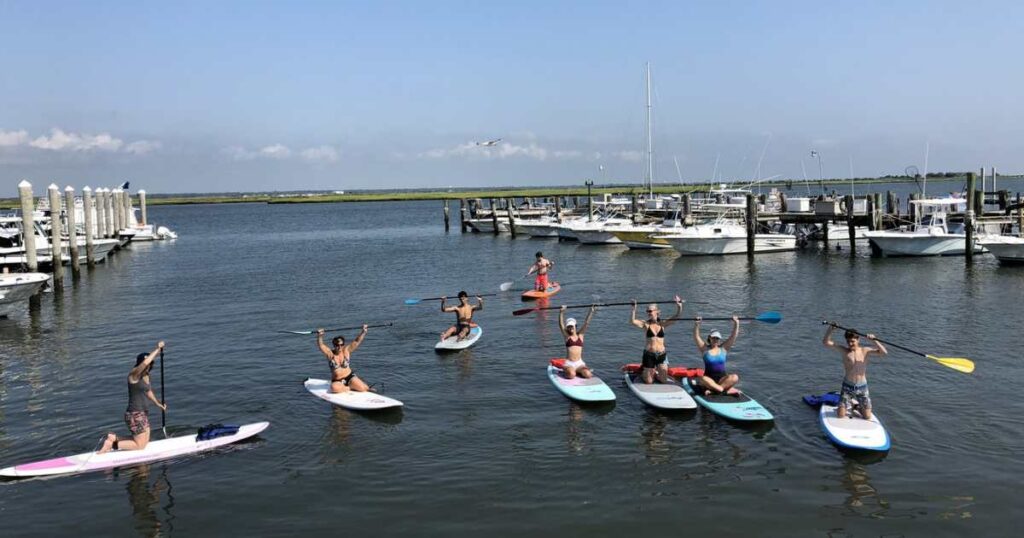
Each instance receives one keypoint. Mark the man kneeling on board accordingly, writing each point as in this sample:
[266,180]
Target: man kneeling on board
[855,364]
[463,316]
[136,417]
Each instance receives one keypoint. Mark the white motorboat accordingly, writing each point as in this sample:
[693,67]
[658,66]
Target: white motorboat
[596,232]
[930,235]
[12,246]
[725,236]
[1007,248]
[486,225]
[645,236]
[841,232]
[539,227]
[15,288]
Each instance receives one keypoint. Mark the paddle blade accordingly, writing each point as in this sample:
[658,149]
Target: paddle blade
[959,364]
[296,332]
[770,317]
[505,286]
[522,311]
[412,301]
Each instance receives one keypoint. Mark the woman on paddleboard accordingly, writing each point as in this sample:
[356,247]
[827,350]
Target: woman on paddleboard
[855,366]
[714,352]
[343,379]
[463,316]
[574,365]
[654,365]
[136,417]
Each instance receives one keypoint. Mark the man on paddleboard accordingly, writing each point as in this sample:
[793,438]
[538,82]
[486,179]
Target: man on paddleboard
[714,352]
[136,417]
[463,316]
[343,379]
[654,364]
[855,364]
[542,266]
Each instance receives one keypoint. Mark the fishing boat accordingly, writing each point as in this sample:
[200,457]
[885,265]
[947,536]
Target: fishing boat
[724,235]
[12,245]
[930,235]
[596,232]
[16,288]
[538,227]
[486,225]
[1007,249]
[645,236]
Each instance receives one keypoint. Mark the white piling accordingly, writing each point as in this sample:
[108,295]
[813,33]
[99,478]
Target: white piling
[28,226]
[127,201]
[142,207]
[87,206]
[55,236]
[69,209]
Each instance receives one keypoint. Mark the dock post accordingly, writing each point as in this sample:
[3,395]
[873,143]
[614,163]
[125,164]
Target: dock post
[511,218]
[128,213]
[101,211]
[115,212]
[633,208]
[1020,217]
[28,227]
[1003,198]
[824,233]
[912,207]
[891,206]
[142,207]
[982,176]
[494,216]
[446,216]
[876,211]
[462,215]
[994,179]
[783,207]
[69,208]
[969,220]
[849,224]
[979,202]
[686,208]
[108,198]
[56,253]
[575,202]
[87,206]
[558,209]
[751,224]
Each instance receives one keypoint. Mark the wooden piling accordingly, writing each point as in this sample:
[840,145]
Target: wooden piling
[28,227]
[87,206]
[446,216]
[912,207]
[969,220]
[142,207]
[128,214]
[687,211]
[783,208]
[751,224]
[56,253]
[494,216]
[849,223]
[558,209]
[994,179]
[891,205]
[633,208]
[462,215]
[511,219]
[115,212]
[978,199]
[1003,198]
[1020,217]
[876,211]
[108,198]
[101,211]
[69,208]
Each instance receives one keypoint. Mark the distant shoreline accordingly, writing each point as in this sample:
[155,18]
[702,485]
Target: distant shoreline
[470,193]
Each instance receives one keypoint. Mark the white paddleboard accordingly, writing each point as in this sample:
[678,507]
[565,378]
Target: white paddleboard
[154,451]
[579,388]
[854,432]
[452,343]
[660,395]
[358,401]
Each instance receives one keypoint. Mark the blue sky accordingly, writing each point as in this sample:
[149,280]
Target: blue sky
[226,96]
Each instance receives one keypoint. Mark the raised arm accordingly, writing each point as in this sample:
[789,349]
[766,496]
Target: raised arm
[696,335]
[353,345]
[880,349]
[636,322]
[590,316]
[679,312]
[479,304]
[322,346]
[827,339]
[446,308]
[561,321]
[136,372]
[735,332]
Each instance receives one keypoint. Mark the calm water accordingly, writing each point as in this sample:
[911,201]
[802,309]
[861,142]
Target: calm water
[485,444]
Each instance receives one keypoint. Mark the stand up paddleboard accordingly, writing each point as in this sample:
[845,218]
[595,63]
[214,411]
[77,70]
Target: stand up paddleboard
[531,295]
[659,395]
[853,432]
[579,388]
[739,407]
[154,451]
[357,401]
[452,343]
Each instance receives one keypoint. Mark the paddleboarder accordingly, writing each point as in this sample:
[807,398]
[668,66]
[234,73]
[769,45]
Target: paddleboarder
[463,316]
[136,416]
[714,352]
[855,365]
[542,267]
[343,379]
[574,364]
[654,365]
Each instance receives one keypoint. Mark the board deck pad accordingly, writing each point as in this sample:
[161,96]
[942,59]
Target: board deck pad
[853,432]
[740,408]
[552,289]
[357,401]
[582,389]
[660,395]
[452,343]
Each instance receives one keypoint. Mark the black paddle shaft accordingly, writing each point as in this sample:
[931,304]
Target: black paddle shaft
[163,398]
[897,346]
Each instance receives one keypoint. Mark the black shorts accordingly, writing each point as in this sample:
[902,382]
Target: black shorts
[652,359]
[345,380]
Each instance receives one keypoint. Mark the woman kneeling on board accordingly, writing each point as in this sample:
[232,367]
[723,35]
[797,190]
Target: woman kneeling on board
[136,417]
[343,379]
[574,365]
[654,349]
[714,352]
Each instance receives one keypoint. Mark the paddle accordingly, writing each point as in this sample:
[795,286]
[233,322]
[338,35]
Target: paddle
[418,301]
[523,311]
[389,324]
[957,363]
[163,399]
[772,317]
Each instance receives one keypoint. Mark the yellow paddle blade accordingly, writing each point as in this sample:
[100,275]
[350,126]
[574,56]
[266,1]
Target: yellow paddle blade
[963,365]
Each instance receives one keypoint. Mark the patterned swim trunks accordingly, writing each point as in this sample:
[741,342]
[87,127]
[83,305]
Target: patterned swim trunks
[851,392]
[137,421]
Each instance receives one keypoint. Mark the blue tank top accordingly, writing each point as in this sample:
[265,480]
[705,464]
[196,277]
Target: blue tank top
[714,365]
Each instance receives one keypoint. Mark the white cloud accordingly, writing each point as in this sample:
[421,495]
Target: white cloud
[238,153]
[59,140]
[320,154]
[13,138]
[504,150]
[630,155]
[142,147]
[276,151]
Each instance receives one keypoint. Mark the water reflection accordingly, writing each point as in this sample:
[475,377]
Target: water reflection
[575,440]
[151,518]
[862,499]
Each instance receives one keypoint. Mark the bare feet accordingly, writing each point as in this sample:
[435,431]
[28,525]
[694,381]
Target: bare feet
[733,391]
[108,443]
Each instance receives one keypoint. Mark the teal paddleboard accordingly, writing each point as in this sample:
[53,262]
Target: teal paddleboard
[740,407]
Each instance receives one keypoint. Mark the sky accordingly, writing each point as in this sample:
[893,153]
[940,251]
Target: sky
[250,96]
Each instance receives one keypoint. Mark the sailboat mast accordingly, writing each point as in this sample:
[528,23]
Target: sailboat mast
[650,148]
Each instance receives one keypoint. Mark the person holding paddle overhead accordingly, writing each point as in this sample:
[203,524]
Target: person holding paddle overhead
[343,379]
[463,316]
[654,349]
[542,266]
[136,416]
[855,364]
[574,364]
[714,352]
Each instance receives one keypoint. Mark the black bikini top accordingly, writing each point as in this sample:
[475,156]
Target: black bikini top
[660,333]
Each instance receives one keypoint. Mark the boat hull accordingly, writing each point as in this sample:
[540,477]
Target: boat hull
[896,244]
[1005,249]
[716,246]
[641,240]
[537,230]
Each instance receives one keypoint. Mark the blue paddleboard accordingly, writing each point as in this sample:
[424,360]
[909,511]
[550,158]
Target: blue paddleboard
[740,408]
[581,389]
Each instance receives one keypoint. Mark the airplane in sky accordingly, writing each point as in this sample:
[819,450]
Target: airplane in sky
[489,143]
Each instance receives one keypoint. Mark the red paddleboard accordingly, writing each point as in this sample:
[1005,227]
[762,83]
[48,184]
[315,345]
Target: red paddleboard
[531,295]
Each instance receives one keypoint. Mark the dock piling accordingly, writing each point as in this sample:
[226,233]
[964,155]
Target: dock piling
[87,206]
[462,215]
[751,224]
[142,207]
[69,208]
[969,219]
[494,216]
[851,229]
[876,211]
[511,218]
[558,209]
[28,227]
[446,216]
[56,253]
